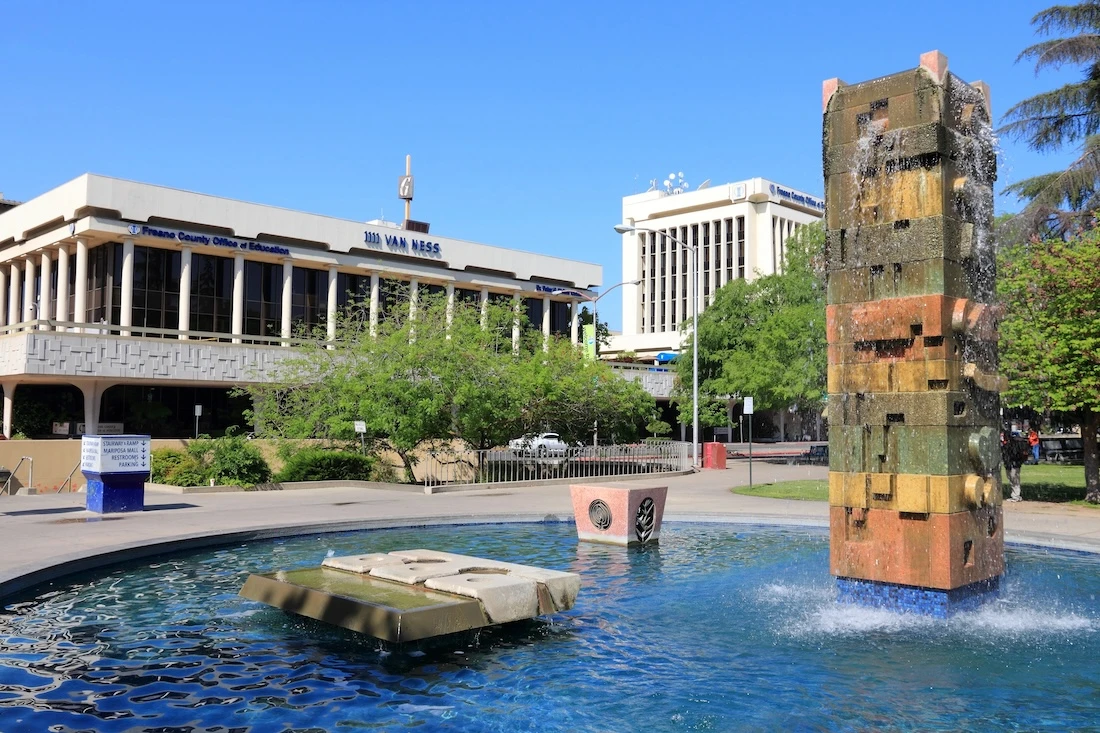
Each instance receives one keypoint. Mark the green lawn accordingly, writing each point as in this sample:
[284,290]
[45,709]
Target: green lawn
[800,490]
[1044,482]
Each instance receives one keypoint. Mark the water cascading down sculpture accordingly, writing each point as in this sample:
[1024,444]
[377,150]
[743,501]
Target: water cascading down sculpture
[914,406]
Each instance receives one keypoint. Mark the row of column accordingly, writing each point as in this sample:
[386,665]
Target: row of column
[17,280]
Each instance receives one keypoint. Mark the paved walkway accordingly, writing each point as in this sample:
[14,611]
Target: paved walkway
[45,537]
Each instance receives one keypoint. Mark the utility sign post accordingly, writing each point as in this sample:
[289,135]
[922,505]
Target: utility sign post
[748,411]
[361,428]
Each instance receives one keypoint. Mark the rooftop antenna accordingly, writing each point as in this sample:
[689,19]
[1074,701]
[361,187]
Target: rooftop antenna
[675,183]
[704,184]
[652,185]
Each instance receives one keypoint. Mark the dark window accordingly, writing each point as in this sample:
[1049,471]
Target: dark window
[308,298]
[392,295]
[561,322]
[741,247]
[156,299]
[100,278]
[211,293]
[729,249]
[533,309]
[263,298]
[469,297]
[352,289]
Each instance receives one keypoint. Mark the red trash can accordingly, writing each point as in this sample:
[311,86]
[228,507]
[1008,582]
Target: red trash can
[714,456]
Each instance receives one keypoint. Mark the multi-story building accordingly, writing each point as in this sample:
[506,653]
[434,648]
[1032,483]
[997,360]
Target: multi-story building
[740,230]
[139,295]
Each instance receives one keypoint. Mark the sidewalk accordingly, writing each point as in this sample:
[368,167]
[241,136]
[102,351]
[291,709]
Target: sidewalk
[49,536]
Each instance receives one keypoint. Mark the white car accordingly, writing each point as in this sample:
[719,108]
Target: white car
[543,444]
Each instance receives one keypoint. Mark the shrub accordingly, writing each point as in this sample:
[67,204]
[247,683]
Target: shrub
[317,464]
[230,460]
[162,462]
[190,472]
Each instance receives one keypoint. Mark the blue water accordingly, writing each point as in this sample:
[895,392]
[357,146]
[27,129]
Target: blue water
[720,628]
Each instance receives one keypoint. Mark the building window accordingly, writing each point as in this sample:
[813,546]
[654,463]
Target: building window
[211,293]
[741,247]
[729,249]
[100,277]
[156,299]
[392,294]
[469,297]
[561,318]
[352,290]
[263,298]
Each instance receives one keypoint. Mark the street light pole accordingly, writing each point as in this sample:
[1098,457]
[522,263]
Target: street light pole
[629,229]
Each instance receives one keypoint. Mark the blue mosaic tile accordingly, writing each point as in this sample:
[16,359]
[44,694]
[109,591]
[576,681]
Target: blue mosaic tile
[910,599]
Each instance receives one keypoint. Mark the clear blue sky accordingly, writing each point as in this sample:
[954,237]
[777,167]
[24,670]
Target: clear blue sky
[527,121]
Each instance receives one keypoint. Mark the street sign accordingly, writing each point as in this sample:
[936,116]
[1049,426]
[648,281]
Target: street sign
[748,406]
[360,426]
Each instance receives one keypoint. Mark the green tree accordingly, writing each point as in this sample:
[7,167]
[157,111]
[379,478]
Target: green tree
[443,374]
[765,338]
[1064,201]
[603,333]
[1050,339]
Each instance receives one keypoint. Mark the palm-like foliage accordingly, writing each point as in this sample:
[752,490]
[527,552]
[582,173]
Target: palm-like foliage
[1063,201]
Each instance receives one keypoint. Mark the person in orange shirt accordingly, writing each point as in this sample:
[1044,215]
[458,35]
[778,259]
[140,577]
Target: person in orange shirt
[1033,441]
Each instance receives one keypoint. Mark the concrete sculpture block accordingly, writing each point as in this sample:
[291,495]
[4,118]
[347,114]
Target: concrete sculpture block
[415,594]
[618,514]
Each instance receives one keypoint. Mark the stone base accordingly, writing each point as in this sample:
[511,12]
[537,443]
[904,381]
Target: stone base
[411,595]
[618,514]
[115,494]
[922,601]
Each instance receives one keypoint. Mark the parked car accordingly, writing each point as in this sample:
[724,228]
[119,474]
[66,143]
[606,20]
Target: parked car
[1062,450]
[543,444]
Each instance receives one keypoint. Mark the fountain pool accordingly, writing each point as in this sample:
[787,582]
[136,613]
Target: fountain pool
[721,627]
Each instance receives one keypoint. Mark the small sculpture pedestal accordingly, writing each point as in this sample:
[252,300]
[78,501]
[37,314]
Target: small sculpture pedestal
[618,514]
[116,468]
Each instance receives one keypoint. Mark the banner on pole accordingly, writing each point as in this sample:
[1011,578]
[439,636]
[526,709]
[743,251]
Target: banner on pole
[589,341]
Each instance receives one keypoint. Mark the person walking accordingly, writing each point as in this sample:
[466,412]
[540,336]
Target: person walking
[1033,442]
[1013,455]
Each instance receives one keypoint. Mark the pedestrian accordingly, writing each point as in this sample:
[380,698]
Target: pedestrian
[1013,454]
[1033,441]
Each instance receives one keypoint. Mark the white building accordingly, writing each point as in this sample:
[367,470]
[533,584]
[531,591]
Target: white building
[188,295]
[740,230]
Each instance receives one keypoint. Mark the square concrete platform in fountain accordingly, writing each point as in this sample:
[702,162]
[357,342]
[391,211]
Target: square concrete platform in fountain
[618,514]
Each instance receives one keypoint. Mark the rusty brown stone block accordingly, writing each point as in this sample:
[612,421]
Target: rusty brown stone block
[914,493]
[925,550]
[896,279]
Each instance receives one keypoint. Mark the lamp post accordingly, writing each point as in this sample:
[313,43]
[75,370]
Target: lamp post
[593,301]
[628,229]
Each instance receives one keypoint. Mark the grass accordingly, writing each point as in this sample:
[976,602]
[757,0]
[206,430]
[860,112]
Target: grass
[799,490]
[1044,482]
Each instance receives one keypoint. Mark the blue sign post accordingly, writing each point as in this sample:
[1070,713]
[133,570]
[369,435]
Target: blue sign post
[116,468]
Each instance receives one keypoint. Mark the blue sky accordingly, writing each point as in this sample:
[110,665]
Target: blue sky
[527,121]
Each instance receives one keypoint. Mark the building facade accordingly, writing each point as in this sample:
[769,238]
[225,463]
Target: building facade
[136,294]
[740,231]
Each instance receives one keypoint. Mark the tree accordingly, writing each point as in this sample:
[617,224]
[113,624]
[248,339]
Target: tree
[603,333]
[439,375]
[1050,340]
[765,338]
[1060,202]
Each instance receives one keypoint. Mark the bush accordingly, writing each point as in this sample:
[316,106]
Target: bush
[317,464]
[230,460]
[162,462]
[176,468]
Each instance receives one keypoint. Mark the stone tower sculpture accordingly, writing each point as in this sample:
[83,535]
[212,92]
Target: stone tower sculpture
[914,409]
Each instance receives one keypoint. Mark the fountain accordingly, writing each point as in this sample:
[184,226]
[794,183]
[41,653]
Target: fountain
[914,482]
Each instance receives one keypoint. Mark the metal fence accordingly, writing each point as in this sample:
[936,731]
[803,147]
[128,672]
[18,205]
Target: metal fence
[503,465]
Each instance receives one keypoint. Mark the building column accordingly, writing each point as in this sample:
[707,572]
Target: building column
[45,296]
[288,293]
[574,321]
[515,322]
[185,292]
[126,304]
[330,312]
[373,303]
[238,297]
[484,306]
[61,311]
[450,306]
[80,297]
[3,297]
[414,291]
[15,314]
[93,396]
[9,400]
[30,308]
[546,322]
